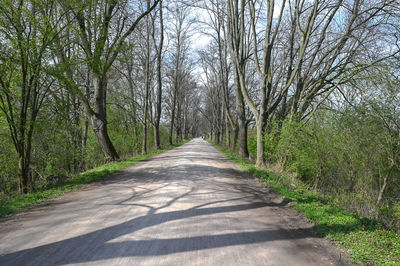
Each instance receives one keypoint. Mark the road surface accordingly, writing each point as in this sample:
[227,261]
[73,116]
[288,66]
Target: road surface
[187,206]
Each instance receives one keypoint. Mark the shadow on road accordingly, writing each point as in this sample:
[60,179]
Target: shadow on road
[99,245]
[98,241]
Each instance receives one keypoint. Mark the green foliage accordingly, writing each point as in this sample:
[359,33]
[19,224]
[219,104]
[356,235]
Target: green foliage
[8,164]
[344,155]
[24,201]
[58,151]
[366,240]
[252,143]
[298,149]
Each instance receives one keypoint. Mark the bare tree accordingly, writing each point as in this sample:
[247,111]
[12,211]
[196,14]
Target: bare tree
[159,51]
[239,55]
[311,62]
[216,11]
[180,33]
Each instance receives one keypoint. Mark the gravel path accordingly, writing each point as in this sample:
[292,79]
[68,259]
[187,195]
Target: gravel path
[187,206]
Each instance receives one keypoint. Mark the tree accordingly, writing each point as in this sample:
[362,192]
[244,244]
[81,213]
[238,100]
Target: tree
[180,33]
[238,56]
[305,68]
[147,83]
[216,11]
[26,34]
[159,51]
[101,44]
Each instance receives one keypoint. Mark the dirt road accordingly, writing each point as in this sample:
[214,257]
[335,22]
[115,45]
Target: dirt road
[187,206]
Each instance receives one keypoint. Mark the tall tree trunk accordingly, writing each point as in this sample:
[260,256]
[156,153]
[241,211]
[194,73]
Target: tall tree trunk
[99,119]
[156,128]
[171,130]
[147,85]
[157,142]
[99,125]
[235,136]
[144,140]
[241,113]
[77,136]
[23,174]
[243,150]
[178,121]
[227,131]
[236,28]
[24,153]
[86,123]
[260,143]
[85,137]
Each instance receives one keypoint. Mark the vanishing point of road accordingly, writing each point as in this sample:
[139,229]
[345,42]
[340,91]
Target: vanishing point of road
[187,206]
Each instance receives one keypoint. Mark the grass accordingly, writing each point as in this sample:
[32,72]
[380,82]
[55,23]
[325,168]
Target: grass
[22,202]
[366,240]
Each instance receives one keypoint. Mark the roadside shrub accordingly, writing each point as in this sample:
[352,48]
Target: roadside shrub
[346,155]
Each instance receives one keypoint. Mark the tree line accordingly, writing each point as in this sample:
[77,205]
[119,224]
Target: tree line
[311,88]
[84,82]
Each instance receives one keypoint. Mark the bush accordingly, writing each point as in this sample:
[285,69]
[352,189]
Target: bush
[344,155]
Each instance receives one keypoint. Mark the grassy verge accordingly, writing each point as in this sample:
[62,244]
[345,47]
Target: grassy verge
[24,201]
[366,240]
